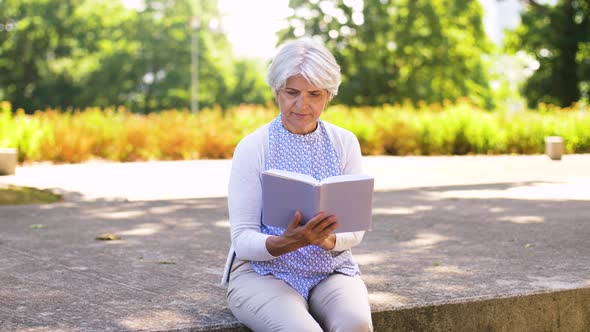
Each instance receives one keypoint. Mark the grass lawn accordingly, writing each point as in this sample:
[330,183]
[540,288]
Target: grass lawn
[12,195]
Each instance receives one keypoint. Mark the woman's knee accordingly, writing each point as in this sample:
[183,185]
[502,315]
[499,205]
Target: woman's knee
[272,313]
[259,319]
[353,322]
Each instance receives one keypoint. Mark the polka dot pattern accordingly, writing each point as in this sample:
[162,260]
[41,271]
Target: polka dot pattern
[312,154]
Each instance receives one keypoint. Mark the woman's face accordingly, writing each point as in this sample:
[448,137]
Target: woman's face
[301,105]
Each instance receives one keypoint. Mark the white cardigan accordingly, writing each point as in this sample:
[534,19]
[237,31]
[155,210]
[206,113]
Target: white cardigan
[245,194]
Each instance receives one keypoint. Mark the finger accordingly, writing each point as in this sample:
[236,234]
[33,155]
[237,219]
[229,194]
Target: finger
[313,222]
[325,222]
[328,225]
[295,221]
[324,236]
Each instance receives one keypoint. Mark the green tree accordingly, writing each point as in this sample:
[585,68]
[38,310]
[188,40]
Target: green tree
[251,87]
[67,53]
[164,31]
[558,37]
[80,53]
[102,67]
[396,50]
[34,41]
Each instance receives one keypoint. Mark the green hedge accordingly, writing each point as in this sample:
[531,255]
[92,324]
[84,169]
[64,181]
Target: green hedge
[452,129]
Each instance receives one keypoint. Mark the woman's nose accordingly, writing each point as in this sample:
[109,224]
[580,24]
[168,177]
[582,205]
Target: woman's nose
[302,101]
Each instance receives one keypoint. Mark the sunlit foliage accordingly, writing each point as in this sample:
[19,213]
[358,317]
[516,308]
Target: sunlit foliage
[396,50]
[426,129]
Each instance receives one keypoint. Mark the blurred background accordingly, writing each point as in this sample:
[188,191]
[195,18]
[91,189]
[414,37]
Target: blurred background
[129,80]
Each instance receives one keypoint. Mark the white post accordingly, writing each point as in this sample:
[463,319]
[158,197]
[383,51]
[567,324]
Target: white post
[554,147]
[8,160]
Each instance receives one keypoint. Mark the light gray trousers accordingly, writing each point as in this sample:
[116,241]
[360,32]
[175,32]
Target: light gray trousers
[265,303]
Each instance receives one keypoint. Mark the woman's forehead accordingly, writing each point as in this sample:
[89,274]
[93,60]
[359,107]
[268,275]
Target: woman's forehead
[299,82]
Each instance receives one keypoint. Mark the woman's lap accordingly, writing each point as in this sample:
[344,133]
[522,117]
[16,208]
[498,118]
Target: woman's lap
[265,303]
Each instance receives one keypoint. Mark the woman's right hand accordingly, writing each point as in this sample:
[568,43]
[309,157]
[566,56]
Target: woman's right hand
[316,231]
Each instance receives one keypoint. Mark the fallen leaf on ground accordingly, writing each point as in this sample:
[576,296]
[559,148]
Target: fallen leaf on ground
[108,237]
[37,226]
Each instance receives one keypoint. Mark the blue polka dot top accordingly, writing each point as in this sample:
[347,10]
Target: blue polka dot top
[312,154]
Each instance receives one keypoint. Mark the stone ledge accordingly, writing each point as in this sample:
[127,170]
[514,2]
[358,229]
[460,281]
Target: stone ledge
[567,310]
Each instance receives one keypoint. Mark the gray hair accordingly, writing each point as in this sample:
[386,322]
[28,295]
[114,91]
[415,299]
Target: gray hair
[308,58]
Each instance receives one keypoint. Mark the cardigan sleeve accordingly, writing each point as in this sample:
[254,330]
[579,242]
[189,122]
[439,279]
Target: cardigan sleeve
[245,199]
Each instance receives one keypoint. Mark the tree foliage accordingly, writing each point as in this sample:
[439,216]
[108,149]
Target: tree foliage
[558,37]
[393,50]
[79,53]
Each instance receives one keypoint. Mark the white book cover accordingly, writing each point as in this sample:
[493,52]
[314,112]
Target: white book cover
[349,197]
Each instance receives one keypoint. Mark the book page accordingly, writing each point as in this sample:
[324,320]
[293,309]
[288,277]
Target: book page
[346,178]
[292,175]
[351,202]
[349,197]
[281,197]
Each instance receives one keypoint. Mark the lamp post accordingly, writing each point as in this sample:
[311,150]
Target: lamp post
[195,27]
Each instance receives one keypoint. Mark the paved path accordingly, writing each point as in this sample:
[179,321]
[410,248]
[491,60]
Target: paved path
[142,181]
[446,230]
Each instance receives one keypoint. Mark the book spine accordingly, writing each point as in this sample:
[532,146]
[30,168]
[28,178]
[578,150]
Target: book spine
[317,199]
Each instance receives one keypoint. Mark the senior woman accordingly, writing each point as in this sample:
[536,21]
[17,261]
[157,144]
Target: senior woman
[302,278]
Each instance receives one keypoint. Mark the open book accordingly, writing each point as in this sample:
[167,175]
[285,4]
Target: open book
[349,197]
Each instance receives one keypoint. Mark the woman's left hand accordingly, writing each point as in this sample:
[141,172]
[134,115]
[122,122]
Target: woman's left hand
[316,231]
